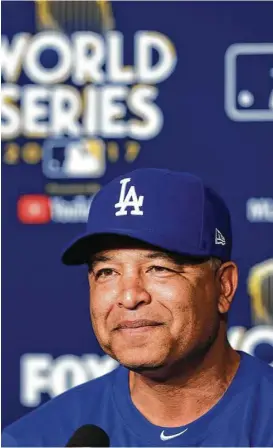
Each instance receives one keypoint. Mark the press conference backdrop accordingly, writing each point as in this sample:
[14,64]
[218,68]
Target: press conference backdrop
[92,90]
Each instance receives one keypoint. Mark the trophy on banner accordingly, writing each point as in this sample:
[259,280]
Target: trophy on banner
[69,16]
[260,289]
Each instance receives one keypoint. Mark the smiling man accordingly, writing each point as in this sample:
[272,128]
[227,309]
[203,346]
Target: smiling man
[158,251]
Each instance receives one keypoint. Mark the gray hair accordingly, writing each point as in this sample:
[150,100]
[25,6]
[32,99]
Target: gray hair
[215,263]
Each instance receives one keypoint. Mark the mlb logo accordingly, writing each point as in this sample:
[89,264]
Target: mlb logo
[34,209]
[73,158]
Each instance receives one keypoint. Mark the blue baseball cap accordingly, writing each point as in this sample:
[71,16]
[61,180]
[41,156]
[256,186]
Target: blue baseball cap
[171,210]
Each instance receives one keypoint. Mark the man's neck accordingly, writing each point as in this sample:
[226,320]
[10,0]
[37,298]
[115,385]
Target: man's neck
[189,394]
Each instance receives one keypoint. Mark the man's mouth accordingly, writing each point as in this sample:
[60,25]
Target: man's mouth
[134,324]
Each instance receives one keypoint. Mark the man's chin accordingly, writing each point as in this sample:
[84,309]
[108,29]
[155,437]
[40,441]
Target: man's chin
[138,358]
[143,368]
[141,363]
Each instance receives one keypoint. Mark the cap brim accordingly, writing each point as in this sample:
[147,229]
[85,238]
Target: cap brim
[80,251]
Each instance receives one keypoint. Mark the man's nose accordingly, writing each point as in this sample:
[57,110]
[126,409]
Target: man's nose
[133,292]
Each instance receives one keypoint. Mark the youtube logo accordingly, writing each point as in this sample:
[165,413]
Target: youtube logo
[34,209]
[42,209]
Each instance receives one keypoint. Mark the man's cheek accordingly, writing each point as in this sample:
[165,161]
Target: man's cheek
[96,312]
[164,293]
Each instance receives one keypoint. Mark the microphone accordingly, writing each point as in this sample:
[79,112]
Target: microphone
[89,436]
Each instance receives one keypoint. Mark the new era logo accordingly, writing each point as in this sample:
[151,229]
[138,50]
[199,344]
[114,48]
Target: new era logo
[34,209]
[219,238]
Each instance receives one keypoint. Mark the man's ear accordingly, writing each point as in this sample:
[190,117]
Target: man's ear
[228,278]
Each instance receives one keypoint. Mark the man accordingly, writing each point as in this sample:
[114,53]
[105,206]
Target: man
[158,250]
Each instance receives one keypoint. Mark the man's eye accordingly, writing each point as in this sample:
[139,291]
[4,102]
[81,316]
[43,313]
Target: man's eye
[104,273]
[160,269]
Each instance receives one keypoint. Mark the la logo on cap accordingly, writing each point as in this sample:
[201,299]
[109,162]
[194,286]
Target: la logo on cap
[129,200]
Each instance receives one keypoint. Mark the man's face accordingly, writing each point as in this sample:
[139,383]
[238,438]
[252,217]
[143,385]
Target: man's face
[149,310]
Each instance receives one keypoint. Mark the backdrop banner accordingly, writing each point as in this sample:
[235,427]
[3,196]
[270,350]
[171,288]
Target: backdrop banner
[91,90]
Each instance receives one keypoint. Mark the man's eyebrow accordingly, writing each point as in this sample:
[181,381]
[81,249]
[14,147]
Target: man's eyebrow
[176,258]
[153,255]
[97,258]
